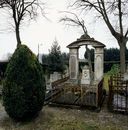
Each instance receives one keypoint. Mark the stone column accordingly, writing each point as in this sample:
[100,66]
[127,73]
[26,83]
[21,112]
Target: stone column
[99,62]
[74,65]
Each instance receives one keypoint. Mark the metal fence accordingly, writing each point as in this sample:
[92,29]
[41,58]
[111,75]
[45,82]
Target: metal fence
[65,93]
[118,94]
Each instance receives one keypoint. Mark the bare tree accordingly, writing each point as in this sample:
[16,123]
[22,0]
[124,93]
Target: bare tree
[19,10]
[115,15]
[76,21]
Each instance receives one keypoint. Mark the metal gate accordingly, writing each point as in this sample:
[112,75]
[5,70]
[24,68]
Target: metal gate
[118,94]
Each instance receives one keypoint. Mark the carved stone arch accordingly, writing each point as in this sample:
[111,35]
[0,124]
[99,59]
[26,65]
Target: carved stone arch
[74,61]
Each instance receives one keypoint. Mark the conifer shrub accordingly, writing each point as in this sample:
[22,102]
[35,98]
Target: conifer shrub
[24,85]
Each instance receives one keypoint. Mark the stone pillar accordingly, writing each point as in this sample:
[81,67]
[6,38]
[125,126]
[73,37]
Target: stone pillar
[99,62]
[73,65]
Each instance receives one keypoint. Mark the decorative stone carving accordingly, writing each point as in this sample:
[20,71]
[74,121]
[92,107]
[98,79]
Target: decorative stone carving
[98,63]
[73,67]
[84,37]
[73,64]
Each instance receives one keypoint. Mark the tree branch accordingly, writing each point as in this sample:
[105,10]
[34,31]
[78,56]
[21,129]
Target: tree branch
[106,19]
[120,17]
[76,21]
[19,10]
[126,34]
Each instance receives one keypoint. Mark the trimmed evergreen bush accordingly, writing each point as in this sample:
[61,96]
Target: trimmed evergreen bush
[24,85]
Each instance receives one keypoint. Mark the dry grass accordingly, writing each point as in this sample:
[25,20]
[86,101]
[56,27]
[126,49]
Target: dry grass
[106,78]
[54,118]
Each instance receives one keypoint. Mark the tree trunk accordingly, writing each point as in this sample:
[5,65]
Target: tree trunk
[122,57]
[18,35]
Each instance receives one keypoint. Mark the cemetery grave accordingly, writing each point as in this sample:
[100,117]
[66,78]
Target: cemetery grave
[81,89]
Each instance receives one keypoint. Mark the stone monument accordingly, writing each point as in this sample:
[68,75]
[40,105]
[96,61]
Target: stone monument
[74,59]
[85,75]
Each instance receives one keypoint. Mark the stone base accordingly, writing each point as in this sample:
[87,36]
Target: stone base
[73,81]
[85,81]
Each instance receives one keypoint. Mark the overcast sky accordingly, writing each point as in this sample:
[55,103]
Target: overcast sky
[44,32]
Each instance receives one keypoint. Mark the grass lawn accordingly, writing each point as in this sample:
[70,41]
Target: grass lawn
[57,118]
[106,78]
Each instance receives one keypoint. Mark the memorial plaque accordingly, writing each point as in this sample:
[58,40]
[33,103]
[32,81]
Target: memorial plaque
[85,75]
